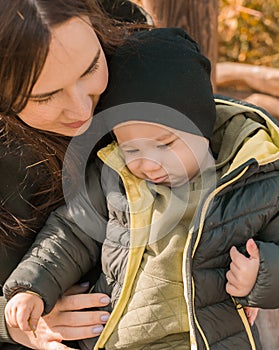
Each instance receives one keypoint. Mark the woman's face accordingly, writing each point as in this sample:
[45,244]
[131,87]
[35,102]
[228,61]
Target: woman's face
[73,77]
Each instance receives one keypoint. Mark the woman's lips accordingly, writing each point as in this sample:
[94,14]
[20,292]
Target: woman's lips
[75,125]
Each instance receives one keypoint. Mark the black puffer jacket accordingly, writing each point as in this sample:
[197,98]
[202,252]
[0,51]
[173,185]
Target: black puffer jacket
[243,204]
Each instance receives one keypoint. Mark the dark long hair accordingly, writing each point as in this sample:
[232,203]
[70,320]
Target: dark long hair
[25,35]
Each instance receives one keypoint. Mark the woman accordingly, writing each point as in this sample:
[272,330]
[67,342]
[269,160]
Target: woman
[52,71]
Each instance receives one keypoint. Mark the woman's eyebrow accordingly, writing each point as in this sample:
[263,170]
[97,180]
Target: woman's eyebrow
[48,94]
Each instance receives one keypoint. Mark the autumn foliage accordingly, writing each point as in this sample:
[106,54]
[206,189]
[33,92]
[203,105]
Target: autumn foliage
[249,31]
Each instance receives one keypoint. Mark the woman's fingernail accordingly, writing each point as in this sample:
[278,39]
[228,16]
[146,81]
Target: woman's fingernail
[105,317]
[84,284]
[97,329]
[105,300]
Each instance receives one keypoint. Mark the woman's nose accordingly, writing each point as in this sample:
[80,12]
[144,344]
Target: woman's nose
[79,105]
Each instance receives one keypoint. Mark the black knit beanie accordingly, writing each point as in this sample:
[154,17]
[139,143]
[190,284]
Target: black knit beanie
[160,76]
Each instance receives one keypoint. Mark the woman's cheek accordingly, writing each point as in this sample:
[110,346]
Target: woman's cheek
[40,116]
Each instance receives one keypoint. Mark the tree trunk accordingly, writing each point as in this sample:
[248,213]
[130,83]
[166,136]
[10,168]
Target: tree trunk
[198,17]
[259,78]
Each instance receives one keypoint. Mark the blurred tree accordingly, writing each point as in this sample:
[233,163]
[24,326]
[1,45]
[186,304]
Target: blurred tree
[249,32]
[198,18]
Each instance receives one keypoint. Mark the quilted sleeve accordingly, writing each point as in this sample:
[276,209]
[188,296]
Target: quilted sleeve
[65,249]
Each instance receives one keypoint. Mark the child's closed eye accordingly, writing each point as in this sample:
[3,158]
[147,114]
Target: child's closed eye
[166,145]
[130,151]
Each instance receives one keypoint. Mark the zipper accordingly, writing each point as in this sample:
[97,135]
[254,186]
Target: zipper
[190,289]
[187,292]
[137,243]
[245,322]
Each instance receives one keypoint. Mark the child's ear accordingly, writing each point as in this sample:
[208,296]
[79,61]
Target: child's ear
[112,135]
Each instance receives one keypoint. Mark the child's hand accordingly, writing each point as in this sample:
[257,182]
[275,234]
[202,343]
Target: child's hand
[24,310]
[243,271]
[251,313]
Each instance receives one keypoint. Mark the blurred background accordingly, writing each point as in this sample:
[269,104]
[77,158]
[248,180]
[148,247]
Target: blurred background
[248,32]
[240,37]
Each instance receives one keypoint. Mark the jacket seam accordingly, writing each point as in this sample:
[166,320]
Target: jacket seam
[230,336]
[237,217]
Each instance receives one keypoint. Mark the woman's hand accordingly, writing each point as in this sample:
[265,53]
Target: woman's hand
[243,271]
[65,322]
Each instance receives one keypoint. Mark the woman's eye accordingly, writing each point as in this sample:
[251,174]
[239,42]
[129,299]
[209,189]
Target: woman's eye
[92,70]
[42,101]
[94,65]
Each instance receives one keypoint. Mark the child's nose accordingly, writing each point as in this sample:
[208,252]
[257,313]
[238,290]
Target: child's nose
[149,165]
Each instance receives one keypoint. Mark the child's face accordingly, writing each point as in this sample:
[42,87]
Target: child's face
[161,154]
